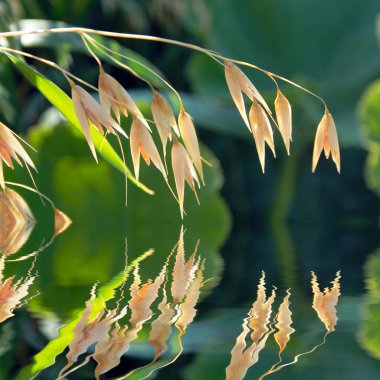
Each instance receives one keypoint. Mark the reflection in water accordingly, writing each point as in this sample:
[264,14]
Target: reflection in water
[171,297]
[16,224]
[369,334]
[61,222]
[12,291]
[16,221]
[257,321]
[283,325]
[324,303]
[261,327]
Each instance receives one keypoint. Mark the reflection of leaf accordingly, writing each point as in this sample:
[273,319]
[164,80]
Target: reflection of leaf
[108,353]
[88,332]
[46,357]
[100,326]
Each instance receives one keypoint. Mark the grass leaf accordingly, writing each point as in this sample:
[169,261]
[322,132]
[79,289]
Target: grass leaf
[63,103]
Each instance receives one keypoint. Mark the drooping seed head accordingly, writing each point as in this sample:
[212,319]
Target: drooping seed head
[88,109]
[238,83]
[113,96]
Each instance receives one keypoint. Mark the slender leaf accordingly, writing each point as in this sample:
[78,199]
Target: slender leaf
[63,103]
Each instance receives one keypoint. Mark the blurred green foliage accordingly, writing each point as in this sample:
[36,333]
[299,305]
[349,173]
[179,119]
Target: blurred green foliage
[370,116]
[369,334]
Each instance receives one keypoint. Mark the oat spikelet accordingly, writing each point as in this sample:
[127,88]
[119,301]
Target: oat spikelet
[284,118]
[113,96]
[183,272]
[88,109]
[261,131]
[260,312]
[283,325]
[324,303]
[164,118]
[326,139]
[142,143]
[238,83]
[183,170]
[190,140]
[11,149]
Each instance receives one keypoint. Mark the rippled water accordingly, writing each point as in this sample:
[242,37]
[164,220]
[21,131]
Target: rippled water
[99,301]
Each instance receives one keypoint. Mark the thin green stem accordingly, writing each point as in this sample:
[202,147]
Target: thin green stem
[102,48]
[98,44]
[216,56]
[83,36]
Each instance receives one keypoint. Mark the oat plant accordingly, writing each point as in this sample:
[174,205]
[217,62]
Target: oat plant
[171,128]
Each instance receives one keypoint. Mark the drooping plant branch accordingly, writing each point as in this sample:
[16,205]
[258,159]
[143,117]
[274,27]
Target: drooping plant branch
[175,126]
